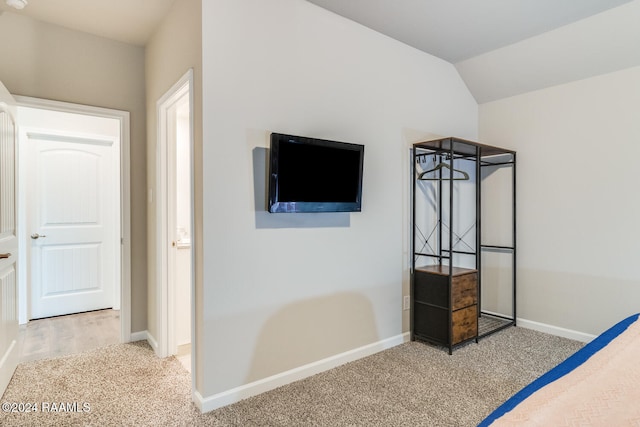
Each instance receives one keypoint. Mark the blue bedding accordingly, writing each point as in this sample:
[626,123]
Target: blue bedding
[562,369]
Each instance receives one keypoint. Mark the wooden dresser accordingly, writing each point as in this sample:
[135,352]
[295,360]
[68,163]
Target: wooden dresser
[445,307]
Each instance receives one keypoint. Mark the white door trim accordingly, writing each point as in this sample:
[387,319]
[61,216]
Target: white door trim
[125,207]
[165,314]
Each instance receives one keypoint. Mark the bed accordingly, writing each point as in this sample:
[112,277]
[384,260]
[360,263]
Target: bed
[598,385]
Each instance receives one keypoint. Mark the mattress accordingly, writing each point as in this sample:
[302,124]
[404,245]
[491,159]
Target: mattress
[599,385]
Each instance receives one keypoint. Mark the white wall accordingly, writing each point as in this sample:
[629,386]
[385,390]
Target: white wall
[174,48]
[283,291]
[578,206]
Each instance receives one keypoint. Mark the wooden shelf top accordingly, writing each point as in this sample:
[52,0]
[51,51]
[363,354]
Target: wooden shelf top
[462,146]
[444,270]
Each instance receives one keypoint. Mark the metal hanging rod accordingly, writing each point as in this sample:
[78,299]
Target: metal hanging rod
[432,255]
[510,248]
[459,252]
[446,155]
[483,163]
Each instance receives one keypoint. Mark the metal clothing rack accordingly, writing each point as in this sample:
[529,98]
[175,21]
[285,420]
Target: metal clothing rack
[427,311]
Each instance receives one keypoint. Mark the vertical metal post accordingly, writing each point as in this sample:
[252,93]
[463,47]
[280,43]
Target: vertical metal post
[478,235]
[514,237]
[478,223]
[450,244]
[414,158]
[439,222]
[413,241]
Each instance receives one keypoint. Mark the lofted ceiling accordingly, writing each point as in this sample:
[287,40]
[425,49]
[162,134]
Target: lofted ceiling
[503,48]
[455,30]
[499,47]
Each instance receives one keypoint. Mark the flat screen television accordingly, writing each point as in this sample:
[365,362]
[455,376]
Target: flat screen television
[314,175]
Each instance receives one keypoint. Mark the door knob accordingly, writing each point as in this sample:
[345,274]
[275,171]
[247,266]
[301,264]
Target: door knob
[35,236]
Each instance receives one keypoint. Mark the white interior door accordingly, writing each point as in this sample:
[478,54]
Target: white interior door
[179,200]
[74,210]
[9,349]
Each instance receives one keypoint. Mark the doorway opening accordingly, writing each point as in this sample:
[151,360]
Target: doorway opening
[74,211]
[175,213]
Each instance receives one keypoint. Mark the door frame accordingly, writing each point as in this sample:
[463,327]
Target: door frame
[165,217]
[125,206]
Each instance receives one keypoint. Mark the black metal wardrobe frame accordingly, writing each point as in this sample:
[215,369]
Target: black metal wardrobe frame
[448,149]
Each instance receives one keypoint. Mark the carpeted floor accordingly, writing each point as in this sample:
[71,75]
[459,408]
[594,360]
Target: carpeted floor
[413,384]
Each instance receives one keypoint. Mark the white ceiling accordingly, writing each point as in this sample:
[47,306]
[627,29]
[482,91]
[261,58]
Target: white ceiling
[600,44]
[453,30]
[500,48]
[128,21]
[456,30]
[503,48]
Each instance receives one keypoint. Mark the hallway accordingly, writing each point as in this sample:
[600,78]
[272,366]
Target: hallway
[74,333]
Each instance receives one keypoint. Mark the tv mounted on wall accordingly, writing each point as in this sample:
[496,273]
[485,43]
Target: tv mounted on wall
[314,175]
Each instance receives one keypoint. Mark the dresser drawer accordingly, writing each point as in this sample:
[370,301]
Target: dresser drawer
[465,324]
[431,322]
[464,290]
[431,289]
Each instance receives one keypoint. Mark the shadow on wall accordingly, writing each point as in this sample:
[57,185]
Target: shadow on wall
[312,330]
[264,219]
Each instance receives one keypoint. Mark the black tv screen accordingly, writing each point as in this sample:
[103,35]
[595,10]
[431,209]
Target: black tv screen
[314,175]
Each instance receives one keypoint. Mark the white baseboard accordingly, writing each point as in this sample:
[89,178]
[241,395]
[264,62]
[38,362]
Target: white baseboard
[152,342]
[209,403]
[145,336]
[138,336]
[555,330]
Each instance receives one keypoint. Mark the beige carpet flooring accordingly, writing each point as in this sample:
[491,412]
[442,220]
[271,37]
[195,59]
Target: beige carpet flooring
[413,384]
